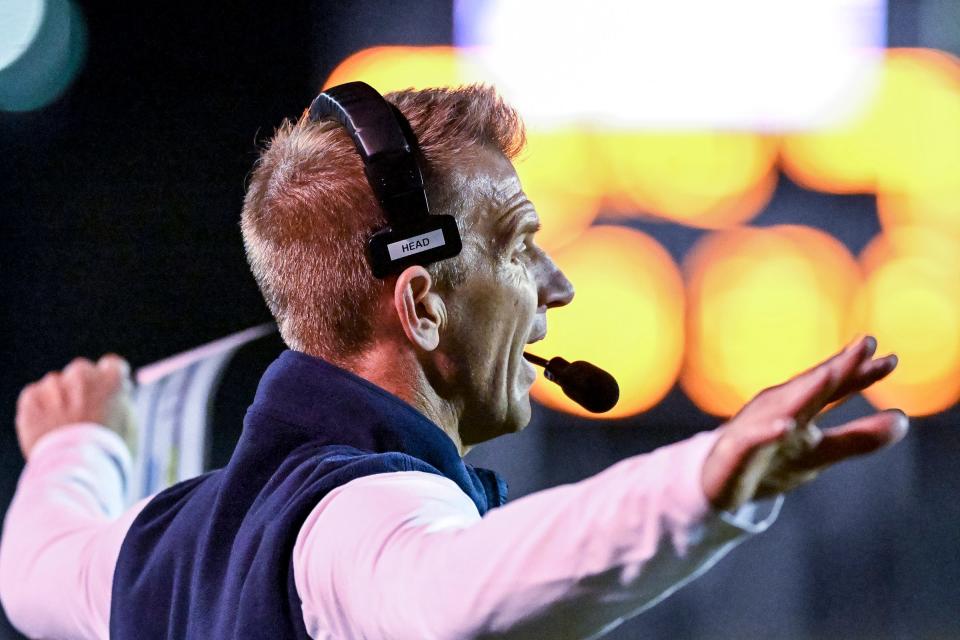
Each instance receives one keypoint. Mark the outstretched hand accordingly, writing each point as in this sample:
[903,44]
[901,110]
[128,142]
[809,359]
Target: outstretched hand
[84,392]
[772,445]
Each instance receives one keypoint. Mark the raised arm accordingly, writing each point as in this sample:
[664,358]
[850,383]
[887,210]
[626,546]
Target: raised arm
[408,556]
[63,530]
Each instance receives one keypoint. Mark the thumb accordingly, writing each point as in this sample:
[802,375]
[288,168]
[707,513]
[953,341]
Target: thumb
[739,459]
[859,437]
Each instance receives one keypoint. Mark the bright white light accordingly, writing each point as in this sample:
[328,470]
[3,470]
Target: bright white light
[19,23]
[741,64]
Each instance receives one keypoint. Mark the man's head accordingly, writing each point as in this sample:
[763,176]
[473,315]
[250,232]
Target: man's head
[460,324]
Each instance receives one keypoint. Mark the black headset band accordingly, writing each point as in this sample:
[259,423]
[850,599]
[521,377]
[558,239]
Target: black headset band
[389,154]
[391,161]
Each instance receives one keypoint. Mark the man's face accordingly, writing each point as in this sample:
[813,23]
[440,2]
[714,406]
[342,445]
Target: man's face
[501,306]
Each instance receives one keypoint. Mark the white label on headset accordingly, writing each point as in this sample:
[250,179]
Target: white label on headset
[416,244]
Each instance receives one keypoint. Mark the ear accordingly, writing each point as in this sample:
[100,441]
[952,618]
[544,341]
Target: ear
[420,308]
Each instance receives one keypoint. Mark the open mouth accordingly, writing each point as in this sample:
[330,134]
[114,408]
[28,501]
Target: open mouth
[530,370]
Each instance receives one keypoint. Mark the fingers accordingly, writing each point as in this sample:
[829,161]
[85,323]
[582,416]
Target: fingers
[840,371]
[115,362]
[862,347]
[859,437]
[800,441]
[49,389]
[83,392]
[58,388]
[849,371]
[116,367]
[78,367]
[868,373]
[43,390]
[806,392]
[775,431]
[110,365]
[739,459]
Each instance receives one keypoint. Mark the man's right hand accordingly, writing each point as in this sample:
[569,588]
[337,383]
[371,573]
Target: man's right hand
[772,445]
[84,392]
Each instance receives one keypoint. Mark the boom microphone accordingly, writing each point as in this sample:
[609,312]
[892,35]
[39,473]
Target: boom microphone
[588,385]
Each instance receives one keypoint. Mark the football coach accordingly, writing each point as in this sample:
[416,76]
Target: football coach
[394,245]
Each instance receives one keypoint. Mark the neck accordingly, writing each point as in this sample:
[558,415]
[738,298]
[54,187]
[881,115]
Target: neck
[404,377]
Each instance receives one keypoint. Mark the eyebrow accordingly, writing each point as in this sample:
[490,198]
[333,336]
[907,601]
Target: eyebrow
[518,215]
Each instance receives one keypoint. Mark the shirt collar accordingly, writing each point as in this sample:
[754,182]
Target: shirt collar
[332,405]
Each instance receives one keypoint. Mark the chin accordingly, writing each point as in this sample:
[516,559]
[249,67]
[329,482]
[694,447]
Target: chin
[518,417]
[500,422]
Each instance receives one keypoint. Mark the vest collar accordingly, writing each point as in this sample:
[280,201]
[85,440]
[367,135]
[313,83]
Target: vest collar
[326,404]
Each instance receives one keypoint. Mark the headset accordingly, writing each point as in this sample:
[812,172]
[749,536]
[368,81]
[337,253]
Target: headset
[394,166]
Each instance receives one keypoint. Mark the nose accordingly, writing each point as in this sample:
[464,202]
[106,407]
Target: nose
[555,289]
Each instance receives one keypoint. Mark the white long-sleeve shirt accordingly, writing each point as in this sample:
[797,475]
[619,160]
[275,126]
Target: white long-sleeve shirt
[393,555]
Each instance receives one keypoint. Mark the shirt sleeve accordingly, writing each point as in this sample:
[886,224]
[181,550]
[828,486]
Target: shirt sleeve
[63,531]
[407,555]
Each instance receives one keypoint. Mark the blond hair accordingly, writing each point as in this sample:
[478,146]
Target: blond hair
[309,211]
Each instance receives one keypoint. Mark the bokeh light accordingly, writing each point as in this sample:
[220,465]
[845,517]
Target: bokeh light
[680,65]
[19,24]
[627,317]
[563,180]
[45,45]
[920,151]
[702,179]
[906,141]
[555,168]
[911,302]
[396,68]
[937,207]
[763,305]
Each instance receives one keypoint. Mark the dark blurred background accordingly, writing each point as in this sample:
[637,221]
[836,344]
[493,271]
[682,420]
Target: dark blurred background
[119,209]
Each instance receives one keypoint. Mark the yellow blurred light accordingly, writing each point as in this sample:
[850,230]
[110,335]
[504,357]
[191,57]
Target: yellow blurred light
[562,181]
[837,160]
[906,141]
[702,179]
[914,242]
[934,207]
[396,68]
[627,318]
[763,305]
[911,302]
[921,120]
[555,169]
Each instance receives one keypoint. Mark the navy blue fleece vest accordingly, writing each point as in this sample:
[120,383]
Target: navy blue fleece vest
[211,557]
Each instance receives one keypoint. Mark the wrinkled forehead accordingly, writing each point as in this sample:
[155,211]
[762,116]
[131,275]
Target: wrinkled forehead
[490,195]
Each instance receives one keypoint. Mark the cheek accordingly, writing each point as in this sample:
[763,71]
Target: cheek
[522,280]
[517,308]
[501,311]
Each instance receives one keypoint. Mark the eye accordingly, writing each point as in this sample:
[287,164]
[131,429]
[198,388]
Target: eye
[521,248]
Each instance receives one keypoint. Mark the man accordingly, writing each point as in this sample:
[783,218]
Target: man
[346,510]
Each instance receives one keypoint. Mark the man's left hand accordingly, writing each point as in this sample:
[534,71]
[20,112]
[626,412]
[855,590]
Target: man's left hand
[772,445]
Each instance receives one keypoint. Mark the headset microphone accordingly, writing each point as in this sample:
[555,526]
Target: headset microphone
[588,385]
